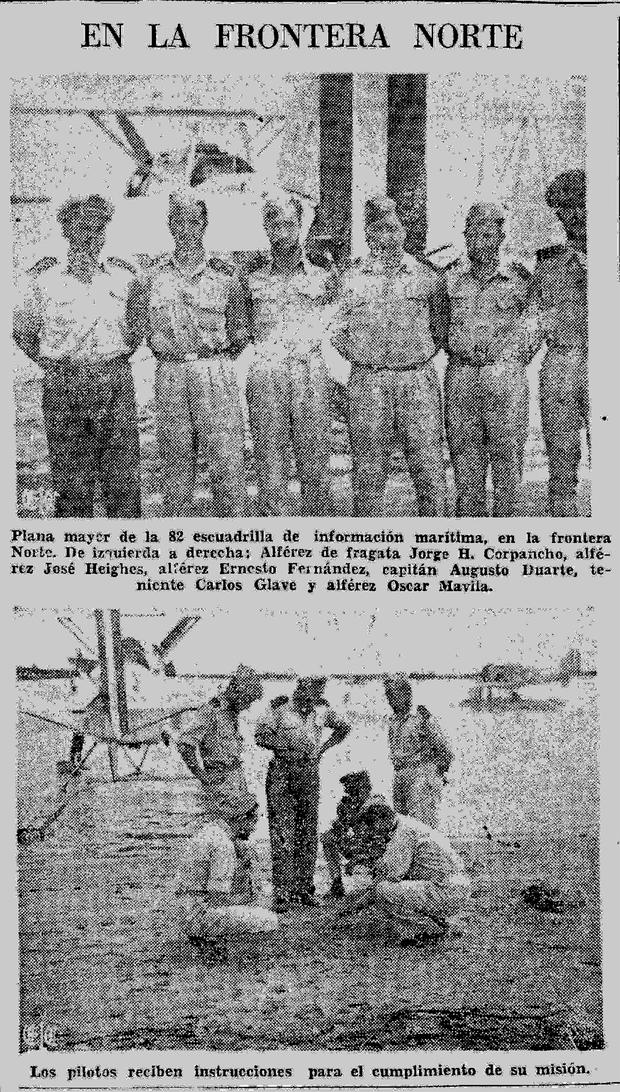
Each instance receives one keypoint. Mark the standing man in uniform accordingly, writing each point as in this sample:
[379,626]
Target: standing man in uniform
[288,387]
[389,325]
[489,349]
[212,745]
[81,321]
[293,730]
[193,334]
[420,754]
[560,289]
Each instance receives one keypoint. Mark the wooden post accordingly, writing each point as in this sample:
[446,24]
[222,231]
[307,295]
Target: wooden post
[406,154]
[332,229]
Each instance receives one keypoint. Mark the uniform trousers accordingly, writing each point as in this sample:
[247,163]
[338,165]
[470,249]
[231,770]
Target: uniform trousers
[91,423]
[198,413]
[293,810]
[404,405]
[413,907]
[564,411]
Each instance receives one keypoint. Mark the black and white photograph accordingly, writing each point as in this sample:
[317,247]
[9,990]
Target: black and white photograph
[305,295]
[326,831]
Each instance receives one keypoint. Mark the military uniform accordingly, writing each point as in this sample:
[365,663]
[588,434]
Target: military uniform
[389,326]
[82,335]
[421,757]
[293,788]
[486,388]
[211,745]
[347,838]
[191,329]
[560,286]
[288,388]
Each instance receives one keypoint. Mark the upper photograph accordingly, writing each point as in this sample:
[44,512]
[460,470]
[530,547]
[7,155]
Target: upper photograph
[304,295]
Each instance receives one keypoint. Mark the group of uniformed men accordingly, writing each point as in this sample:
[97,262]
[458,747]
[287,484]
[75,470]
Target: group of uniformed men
[392,855]
[386,315]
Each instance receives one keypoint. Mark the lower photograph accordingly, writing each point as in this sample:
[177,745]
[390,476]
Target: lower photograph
[318,831]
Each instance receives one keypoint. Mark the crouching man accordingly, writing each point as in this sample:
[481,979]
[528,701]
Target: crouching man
[219,882]
[419,884]
[346,841]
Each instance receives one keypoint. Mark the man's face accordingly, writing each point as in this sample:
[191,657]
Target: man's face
[85,238]
[282,228]
[187,224]
[574,222]
[382,826]
[483,238]
[386,237]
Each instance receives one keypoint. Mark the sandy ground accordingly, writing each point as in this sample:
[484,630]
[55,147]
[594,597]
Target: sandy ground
[102,959]
[33,468]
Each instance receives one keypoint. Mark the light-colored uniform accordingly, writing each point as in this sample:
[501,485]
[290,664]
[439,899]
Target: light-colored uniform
[424,878]
[198,402]
[212,866]
[83,335]
[211,745]
[560,289]
[288,387]
[486,389]
[389,327]
[293,787]
[421,756]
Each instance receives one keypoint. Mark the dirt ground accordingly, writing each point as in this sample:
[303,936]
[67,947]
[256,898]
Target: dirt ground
[102,962]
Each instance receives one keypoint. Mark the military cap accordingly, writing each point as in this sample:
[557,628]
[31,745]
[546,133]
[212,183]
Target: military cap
[358,782]
[310,687]
[377,208]
[284,202]
[484,210]
[568,189]
[93,209]
[399,681]
[246,685]
[185,199]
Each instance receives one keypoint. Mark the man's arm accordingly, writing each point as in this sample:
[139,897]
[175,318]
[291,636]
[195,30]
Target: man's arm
[190,754]
[137,310]
[339,730]
[439,312]
[27,318]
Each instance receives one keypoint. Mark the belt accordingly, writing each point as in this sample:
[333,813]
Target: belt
[191,358]
[65,364]
[467,362]
[386,367]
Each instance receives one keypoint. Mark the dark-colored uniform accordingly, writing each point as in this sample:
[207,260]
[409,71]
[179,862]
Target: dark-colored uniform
[293,787]
[486,388]
[389,327]
[348,838]
[82,336]
[288,389]
[560,288]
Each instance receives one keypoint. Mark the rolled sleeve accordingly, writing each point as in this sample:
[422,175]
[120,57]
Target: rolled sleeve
[27,316]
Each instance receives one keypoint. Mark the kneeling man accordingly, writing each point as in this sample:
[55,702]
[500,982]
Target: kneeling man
[420,883]
[219,882]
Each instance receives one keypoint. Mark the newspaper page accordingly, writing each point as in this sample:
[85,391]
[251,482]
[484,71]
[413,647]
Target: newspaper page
[311,640]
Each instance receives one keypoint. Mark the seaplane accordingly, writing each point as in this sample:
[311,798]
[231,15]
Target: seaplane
[502,683]
[123,696]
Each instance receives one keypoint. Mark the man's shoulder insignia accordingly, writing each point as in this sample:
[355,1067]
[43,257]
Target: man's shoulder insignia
[550,252]
[276,703]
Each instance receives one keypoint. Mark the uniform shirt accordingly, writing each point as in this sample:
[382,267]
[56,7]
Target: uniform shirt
[390,320]
[415,741]
[293,736]
[75,321]
[209,863]
[189,313]
[417,852]
[486,323]
[215,731]
[560,282]
[282,312]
